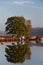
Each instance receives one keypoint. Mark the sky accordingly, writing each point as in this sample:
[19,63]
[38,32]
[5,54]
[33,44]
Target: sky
[29,9]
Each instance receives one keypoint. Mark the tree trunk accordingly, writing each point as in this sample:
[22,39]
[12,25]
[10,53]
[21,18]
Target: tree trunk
[21,40]
[12,39]
[18,40]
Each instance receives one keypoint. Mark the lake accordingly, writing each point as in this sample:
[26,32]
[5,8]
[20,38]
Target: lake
[35,59]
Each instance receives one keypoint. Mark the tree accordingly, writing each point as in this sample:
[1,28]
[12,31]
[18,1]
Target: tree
[17,53]
[18,25]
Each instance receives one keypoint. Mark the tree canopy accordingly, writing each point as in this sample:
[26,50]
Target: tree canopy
[18,25]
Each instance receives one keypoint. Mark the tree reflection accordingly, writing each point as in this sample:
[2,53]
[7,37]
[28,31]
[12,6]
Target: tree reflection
[18,53]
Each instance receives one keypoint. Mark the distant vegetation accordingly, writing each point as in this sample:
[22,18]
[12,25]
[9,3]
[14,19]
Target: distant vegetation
[36,31]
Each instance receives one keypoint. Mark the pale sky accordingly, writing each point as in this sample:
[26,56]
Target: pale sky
[30,9]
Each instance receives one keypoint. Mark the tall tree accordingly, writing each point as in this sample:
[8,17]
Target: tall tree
[18,25]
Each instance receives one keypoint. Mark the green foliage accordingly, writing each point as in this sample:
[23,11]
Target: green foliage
[16,25]
[18,53]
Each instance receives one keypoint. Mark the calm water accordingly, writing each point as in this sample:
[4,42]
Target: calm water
[36,56]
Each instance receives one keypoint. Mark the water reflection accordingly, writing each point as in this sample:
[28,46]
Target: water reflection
[17,53]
